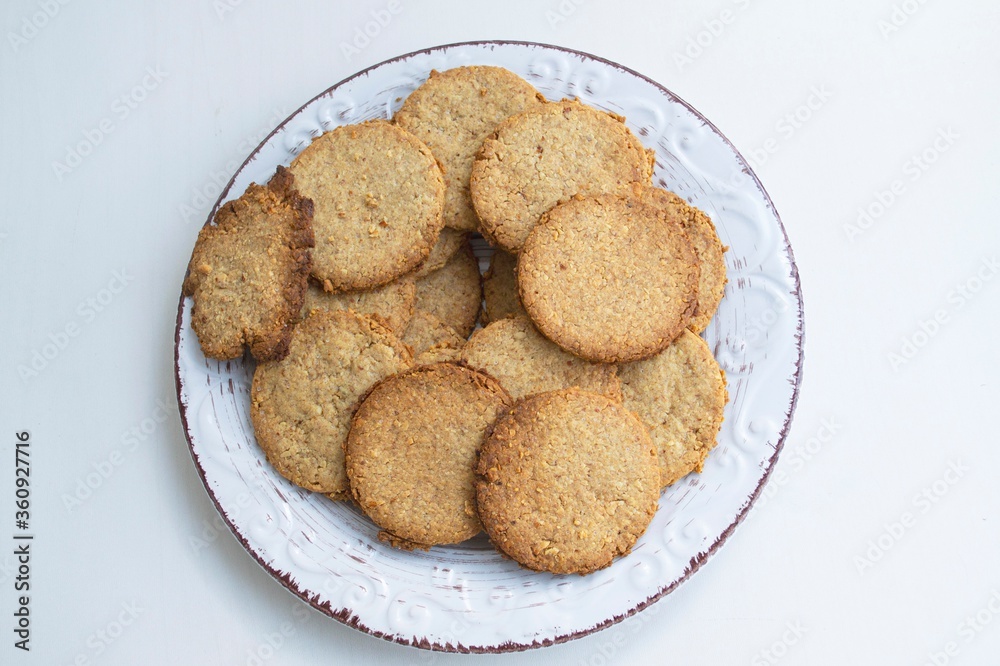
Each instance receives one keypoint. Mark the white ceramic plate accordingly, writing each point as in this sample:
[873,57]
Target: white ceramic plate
[466,597]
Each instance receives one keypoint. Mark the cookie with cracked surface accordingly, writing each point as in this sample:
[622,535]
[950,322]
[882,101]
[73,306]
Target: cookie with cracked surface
[680,395]
[500,288]
[412,448]
[609,278]
[431,339]
[567,481]
[526,362]
[378,193]
[248,271]
[453,112]
[448,244]
[301,406]
[454,293]
[392,303]
[544,156]
[708,247]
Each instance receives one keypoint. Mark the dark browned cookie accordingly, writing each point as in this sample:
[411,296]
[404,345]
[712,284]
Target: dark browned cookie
[453,112]
[609,278]
[706,244]
[542,157]
[567,481]
[301,406]
[411,451]
[249,270]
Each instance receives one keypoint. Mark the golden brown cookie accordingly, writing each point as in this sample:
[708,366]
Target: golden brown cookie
[609,278]
[448,244]
[379,194]
[500,288]
[301,406]
[454,293]
[706,244]
[411,450]
[542,157]
[392,303]
[453,112]
[248,271]
[525,362]
[680,395]
[567,481]
[431,339]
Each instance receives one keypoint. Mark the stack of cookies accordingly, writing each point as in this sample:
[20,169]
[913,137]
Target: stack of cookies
[350,279]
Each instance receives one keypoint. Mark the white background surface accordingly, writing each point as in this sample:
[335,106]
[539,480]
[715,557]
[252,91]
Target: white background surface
[148,537]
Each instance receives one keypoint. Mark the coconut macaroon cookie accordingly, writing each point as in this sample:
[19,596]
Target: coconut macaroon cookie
[248,271]
[392,303]
[454,293]
[543,156]
[680,395]
[707,246]
[525,362]
[500,299]
[301,406]
[378,194]
[567,481]
[609,278]
[412,448]
[453,112]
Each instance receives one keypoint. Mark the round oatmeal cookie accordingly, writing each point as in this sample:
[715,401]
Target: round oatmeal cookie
[301,406]
[426,332]
[378,194]
[500,288]
[609,278]
[412,448]
[454,293]
[453,112]
[448,244]
[706,244]
[391,303]
[542,157]
[567,481]
[680,395]
[525,362]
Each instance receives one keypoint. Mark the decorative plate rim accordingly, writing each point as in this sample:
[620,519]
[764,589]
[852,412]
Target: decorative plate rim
[344,616]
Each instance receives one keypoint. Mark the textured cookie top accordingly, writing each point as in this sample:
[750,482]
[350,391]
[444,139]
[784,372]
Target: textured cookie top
[453,112]
[248,271]
[379,194]
[525,362]
[680,395]
[454,293]
[567,481]
[544,156]
[301,406]
[392,303]
[609,278]
[412,448]
[448,244]
[707,246]
[500,297]
[427,332]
